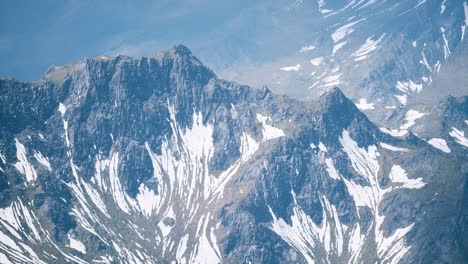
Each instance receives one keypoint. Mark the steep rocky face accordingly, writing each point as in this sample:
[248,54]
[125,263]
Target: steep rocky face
[156,160]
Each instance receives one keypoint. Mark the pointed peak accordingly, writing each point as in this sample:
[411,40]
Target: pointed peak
[177,51]
[334,97]
[335,92]
[181,50]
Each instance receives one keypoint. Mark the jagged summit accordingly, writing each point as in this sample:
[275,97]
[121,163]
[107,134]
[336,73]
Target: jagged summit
[177,53]
[181,49]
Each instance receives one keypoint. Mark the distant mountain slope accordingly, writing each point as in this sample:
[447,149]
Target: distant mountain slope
[383,54]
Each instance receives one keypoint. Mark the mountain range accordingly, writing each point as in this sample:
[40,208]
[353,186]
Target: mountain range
[115,159]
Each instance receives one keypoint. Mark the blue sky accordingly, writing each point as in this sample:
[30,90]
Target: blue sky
[36,34]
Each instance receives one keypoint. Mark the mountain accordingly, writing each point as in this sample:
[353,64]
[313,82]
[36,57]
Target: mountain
[157,160]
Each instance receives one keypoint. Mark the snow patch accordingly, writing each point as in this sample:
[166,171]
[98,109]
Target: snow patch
[123,200]
[393,148]
[406,86]
[410,118]
[370,45]
[440,144]
[463,27]
[23,165]
[322,147]
[42,160]
[343,31]
[291,68]
[62,109]
[364,105]
[331,169]
[317,61]
[459,137]
[147,200]
[268,131]
[338,46]
[402,99]
[306,237]
[306,48]
[442,7]
[394,132]
[446,45]
[398,175]
[76,245]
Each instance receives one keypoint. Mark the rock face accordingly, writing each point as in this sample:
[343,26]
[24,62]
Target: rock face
[154,160]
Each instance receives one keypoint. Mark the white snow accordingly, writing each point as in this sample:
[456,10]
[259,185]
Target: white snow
[8,242]
[42,160]
[442,7]
[268,131]
[321,7]
[365,163]
[185,184]
[306,48]
[338,46]
[394,132]
[459,136]
[331,169]
[305,236]
[402,99]
[17,218]
[391,248]
[406,86]
[393,148]
[248,146]
[439,143]
[124,202]
[343,31]
[181,248]
[62,109]
[100,166]
[424,61]
[317,61]
[95,198]
[23,165]
[147,200]
[366,48]
[446,45]
[76,245]
[437,66]
[364,105]
[463,27]
[322,147]
[4,259]
[410,118]
[206,250]
[332,80]
[398,175]
[291,68]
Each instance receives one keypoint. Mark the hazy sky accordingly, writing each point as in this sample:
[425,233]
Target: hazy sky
[36,34]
